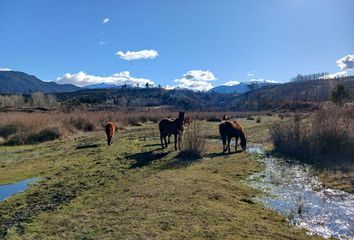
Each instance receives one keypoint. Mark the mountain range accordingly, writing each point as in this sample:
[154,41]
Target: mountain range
[20,82]
[243,87]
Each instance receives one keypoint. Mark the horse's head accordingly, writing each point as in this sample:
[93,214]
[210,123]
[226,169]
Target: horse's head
[243,141]
[181,115]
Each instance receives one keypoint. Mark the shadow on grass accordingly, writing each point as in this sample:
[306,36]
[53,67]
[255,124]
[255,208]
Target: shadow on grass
[145,158]
[182,160]
[152,145]
[220,154]
[83,146]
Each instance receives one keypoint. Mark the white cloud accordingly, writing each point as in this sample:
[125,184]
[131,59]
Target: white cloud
[5,69]
[143,54]
[196,80]
[82,79]
[261,80]
[231,83]
[106,20]
[102,42]
[346,64]
[336,75]
[251,74]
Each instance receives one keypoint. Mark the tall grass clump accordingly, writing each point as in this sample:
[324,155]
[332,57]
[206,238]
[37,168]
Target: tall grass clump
[326,138]
[193,142]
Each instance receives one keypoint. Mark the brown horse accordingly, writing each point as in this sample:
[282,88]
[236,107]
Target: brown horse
[170,127]
[187,121]
[110,129]
[228,130]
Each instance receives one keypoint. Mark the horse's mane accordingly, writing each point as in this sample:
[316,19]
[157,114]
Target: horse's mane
[237,126]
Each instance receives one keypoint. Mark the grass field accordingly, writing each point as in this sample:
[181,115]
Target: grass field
[135,190]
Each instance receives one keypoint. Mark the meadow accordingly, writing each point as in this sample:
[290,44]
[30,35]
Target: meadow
[135,190]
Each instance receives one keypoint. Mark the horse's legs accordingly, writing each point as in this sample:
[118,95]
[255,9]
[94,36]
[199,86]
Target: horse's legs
[175,141]
[169,138]
[179,141]
[236,144]
[164,138]
[228,143]
[223,138]
[161,138]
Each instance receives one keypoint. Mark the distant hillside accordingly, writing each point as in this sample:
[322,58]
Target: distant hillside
[242,87]
[20,82]
[101,86]
[291,95]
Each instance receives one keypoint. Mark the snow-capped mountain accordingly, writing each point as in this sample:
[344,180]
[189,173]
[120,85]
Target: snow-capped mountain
[242,87]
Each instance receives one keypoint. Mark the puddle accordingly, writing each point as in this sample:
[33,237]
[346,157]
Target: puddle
[8,190]
[295,192]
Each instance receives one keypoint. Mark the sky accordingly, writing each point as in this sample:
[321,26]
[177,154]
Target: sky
[194,44]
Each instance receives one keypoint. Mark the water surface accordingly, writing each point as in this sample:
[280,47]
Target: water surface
[294,191]
[8,190]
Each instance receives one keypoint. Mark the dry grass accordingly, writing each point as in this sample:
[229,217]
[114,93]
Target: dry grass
[19,128]
[327,138]
[194,140]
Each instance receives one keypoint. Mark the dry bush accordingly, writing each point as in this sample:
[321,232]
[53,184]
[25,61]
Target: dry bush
[81,123]
[326,138]
[193,143]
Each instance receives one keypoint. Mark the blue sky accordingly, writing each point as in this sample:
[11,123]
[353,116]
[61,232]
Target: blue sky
[197,44]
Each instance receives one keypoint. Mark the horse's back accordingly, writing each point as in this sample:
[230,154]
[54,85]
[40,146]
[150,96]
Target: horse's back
[110,128]
[165,125]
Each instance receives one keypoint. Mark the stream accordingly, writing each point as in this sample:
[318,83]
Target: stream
[7,190]
[294,191]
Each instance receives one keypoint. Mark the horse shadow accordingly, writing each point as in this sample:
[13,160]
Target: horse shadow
[221,154]
[145,158]
[152,145]
[180,161]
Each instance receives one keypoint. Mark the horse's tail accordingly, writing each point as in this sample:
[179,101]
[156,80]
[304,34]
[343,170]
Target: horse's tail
[109,128]
[222,134]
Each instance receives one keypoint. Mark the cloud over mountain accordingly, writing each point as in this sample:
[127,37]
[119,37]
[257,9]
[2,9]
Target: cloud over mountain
[197,80]
[82,79]
[346,64]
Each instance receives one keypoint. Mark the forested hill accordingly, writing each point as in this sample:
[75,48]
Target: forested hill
[19,82]
[288,95]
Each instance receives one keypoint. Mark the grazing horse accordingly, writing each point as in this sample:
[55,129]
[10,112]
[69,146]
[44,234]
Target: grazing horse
[228,130]
[187,121]
[110,129]
[170,127]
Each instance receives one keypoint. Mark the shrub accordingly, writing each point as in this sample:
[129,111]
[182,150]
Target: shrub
[281,116]
[258,119]
[81,123]
[193,144]
[47,134]
[213,118]
[8,129]
[326,139]
[250,118]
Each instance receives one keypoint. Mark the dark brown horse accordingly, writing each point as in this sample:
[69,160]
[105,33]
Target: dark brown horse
[170,127]
[110,129]
[228,130]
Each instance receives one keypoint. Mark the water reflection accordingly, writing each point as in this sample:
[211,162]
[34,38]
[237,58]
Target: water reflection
[8,190]
[294,191]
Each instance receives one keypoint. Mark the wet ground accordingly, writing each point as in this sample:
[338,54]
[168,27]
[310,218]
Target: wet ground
[8,190]
[293,190]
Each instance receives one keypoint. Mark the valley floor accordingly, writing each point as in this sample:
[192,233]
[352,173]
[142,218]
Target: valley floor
[135,190]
